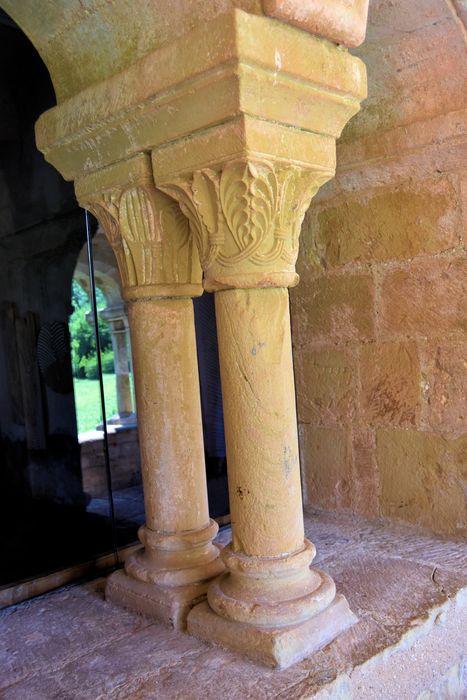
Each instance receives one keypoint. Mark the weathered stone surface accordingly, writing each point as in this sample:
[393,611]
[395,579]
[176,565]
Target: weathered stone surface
[273,646]
[124,457]
[403,584]
[84,45]
[436,146]
[325,385]
[390,383]
[339,468]
[207,86]
[336,308]
[242,151]
[423,479]
[420,55]
[395,211]
[343,24]
[160,271]
[168,605]
[365,479]
[463,198]
[427,299]
[445,386]
[51,637]
[326,459]
[389,223]
[401,17]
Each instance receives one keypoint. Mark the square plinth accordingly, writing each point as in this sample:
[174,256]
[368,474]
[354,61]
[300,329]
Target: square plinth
[169,605]
[278,647]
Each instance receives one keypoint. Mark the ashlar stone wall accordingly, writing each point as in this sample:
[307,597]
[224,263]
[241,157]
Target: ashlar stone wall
[380,315]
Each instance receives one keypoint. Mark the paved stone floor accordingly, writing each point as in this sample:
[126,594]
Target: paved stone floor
[407,588]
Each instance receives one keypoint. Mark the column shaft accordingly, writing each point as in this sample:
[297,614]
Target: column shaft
[260,421]
[160,272]
[122,375]
[169,414]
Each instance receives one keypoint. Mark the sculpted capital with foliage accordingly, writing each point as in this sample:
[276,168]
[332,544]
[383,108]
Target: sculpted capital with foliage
[246,219]
[150,237]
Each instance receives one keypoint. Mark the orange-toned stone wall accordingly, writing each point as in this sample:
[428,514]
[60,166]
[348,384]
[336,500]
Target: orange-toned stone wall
[379,318]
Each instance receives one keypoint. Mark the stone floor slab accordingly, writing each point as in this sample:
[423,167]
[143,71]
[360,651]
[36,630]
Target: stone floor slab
[407,588]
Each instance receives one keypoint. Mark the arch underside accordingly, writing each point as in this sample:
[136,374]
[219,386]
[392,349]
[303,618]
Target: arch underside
[85,42]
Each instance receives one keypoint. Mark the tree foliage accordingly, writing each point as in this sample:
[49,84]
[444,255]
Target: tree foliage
[83,345]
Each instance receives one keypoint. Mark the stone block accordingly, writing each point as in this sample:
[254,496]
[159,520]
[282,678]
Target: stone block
[387,223]
[274,646]
[326,459]
[342,24]
[169,605]
[401,17]
[325,386]
[423,479]
[428,298]
[390,383]
[463,198]
[365,481]
[413,75]
[334,308]
[445,382]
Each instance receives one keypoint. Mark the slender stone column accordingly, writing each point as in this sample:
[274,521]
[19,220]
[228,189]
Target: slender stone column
[118,324]
[167,392]
[160,273]
[269,603]
[260,421]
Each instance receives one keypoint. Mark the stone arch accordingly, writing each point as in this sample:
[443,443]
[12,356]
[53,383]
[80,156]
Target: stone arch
[105,270]
[107,279]
[83,43]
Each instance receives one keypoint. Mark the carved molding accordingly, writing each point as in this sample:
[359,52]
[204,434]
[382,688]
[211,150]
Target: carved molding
[151,241]
[246,219]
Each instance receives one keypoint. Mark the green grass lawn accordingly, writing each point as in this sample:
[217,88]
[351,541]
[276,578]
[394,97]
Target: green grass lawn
[88,402]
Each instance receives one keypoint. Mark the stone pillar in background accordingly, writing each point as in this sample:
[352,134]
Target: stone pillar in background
[160,272]
[118,323]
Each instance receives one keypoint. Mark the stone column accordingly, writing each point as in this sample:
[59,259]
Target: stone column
[160,273]
[241,116]
[269,603]
[118,323]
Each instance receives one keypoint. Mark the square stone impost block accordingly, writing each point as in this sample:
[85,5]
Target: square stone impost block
[237,85]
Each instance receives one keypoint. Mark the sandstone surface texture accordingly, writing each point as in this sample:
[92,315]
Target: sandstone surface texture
[407,588]
[380,315]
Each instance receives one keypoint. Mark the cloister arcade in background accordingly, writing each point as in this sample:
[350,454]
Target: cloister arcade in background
[107,280]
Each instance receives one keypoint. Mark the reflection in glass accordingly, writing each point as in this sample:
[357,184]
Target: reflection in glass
[118,390]
[54,494]
[44,521]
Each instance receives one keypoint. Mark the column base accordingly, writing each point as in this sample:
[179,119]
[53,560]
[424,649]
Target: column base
[120,422]
[168,605]
[273,646]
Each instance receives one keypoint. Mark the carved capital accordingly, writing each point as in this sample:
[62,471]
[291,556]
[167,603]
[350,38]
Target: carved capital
[246,218]
[146,230]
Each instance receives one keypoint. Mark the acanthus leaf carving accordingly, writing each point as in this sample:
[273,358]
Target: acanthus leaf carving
[246,216]
[105,209]
[149,236]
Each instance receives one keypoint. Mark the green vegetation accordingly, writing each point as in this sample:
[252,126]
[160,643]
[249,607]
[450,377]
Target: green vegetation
[88,402]
[84,362]
[83,346]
